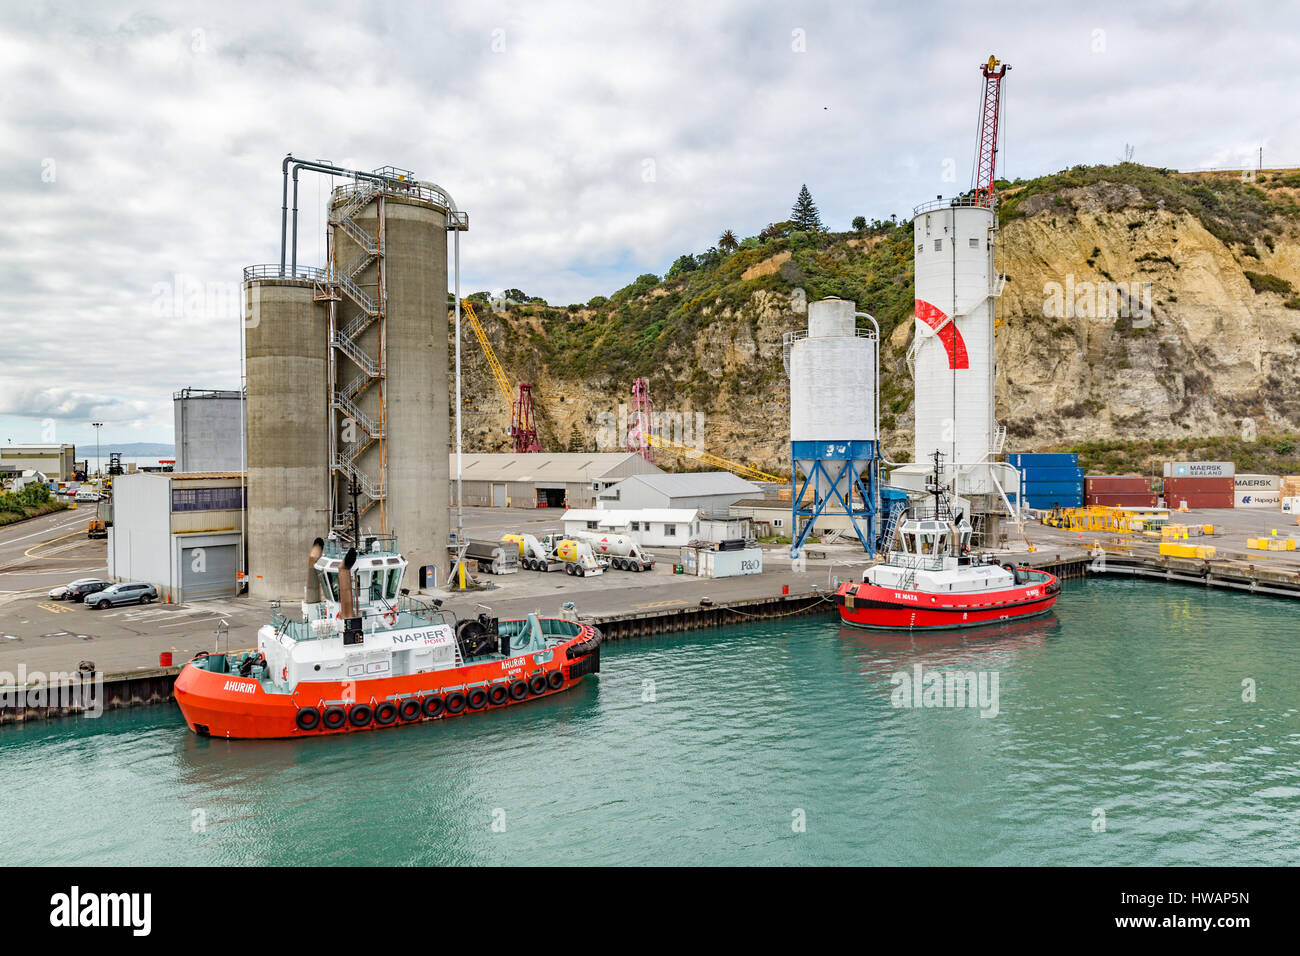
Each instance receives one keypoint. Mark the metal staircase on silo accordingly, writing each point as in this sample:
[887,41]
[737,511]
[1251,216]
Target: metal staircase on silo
[367,430]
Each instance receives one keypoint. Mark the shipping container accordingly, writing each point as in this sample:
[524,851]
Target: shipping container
[1200,469]
[1203,500]
[1050,473]
[1197,486]
[1124,484]
[1054,488]
[1049,459]
[1246,498]
[1112,499]
[1257,482]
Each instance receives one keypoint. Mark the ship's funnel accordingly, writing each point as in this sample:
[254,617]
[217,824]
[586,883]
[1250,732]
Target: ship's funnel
[347,607]
[313,577]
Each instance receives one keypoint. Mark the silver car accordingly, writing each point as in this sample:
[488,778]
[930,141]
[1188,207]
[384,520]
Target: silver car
[121,594]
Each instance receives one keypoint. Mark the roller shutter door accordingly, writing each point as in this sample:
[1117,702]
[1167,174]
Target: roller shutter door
[208,572]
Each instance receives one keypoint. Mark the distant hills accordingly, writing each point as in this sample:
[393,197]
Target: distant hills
[130,449]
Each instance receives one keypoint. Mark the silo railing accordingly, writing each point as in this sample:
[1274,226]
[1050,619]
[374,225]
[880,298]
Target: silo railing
[274,270]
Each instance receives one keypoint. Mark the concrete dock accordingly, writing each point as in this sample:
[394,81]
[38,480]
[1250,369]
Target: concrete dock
[45,637]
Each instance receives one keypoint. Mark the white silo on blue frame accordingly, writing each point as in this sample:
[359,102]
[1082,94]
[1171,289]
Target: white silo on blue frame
[834,421]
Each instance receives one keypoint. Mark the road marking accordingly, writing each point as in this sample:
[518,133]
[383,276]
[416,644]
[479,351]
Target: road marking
[54,608]
[28,552]
[190,621]
[37,534]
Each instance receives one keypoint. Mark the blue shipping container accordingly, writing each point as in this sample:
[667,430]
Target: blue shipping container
[1062,488]
[1039,475]
[1046,504]
[1045,459]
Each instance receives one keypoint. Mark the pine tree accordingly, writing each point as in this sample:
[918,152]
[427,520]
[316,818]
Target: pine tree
[804,216]
[576,442]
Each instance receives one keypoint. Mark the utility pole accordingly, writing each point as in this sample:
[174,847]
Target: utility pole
[97,425]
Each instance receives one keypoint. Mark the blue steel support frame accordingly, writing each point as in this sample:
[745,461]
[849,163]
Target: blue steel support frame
[840,456]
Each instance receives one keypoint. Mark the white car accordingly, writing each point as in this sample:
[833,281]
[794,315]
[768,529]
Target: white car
[86,496]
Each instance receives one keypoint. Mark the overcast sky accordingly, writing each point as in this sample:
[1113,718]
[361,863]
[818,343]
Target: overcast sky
[140,145]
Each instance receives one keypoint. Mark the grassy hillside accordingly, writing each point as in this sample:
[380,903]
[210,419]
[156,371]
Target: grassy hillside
[707,333]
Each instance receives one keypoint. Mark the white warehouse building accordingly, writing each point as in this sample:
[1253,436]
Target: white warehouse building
[712,492]
[178,532]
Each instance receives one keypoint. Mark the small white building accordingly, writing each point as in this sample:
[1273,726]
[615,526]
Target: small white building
[179,532]
[648,527]
[658,527]
[711,492]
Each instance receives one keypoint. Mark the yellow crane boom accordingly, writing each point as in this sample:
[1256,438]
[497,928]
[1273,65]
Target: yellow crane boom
[503,383]
[735,467]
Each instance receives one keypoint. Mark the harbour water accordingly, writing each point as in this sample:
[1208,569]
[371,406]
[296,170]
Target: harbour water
[1120,736]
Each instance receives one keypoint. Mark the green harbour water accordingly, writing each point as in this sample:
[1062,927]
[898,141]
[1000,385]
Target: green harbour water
[775,742]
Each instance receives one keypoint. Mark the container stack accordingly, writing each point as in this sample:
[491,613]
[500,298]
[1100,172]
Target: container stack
[1050,479]
[1257,491]
[1118,491]
[1199,484]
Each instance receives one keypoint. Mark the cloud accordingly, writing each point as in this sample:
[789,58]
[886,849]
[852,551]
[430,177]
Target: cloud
[140,144]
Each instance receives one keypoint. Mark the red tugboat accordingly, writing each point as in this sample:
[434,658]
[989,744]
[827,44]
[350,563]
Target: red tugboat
[364,656]
[935,583]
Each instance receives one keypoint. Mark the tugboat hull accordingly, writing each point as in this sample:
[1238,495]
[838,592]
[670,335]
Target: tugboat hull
[866,605]
[217,703]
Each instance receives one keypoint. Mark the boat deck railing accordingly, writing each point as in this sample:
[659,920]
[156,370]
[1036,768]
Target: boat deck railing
[405,612]
[369,544]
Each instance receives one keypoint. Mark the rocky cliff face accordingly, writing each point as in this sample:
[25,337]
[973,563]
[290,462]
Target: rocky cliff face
[1127,313]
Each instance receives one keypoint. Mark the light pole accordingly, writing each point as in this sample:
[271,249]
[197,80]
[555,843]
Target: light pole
[98,467]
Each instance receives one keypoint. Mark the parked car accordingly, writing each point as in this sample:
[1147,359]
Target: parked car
[78,589]
[86,496]
[117,594]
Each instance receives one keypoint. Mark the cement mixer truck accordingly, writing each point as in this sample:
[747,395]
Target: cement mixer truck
[551,552]
[623,553]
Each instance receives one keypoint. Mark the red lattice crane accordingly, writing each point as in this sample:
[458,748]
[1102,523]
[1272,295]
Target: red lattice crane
[640,420]
[523,427]
[986,166]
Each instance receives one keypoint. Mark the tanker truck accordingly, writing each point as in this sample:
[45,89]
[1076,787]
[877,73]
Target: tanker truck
[623,553]
[551,552]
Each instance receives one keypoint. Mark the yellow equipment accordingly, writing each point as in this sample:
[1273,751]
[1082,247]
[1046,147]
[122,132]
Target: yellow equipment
[503,383]
[735,467]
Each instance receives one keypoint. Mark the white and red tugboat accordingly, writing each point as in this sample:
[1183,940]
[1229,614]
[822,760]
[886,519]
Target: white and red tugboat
[363,655]
[934,583]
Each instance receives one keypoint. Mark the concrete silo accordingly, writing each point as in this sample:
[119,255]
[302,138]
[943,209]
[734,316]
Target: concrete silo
[287,433]
[953,355]
[388,389]
[833,369]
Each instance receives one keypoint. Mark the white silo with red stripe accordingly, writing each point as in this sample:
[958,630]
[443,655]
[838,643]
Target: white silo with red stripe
[952,358]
